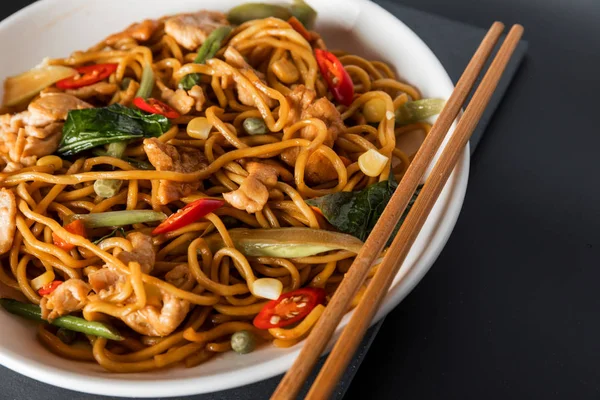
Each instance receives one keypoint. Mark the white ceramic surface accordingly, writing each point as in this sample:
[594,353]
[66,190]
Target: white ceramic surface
[57,27]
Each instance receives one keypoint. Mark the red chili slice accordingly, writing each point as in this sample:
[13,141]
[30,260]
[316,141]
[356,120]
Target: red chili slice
[188,214]
[76,227]
[49,288]
[299,27]
[87,75]
[337,78]
[289,308]
[154,106]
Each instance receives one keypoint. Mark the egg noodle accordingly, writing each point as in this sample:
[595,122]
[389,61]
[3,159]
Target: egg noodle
[215,288]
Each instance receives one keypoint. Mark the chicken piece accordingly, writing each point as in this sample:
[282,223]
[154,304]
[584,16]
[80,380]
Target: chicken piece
[107,282]
[54,106]
[304,106]
[178,99]
[319,169]
[299,100]
[128,94]
[154,320]
[66,298]
[324,110]
[253,193]
[245,96]
[199,97]
[191,30]
[36,132]
[140,31]
[180,277]
[165,157]
[8,219]
[97,89]
[143,252]
[181,100]
[160,317]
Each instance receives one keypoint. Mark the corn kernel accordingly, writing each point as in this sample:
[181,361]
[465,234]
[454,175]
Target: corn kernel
[199,128]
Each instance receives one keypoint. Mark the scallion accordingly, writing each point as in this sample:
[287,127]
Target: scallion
[118,218]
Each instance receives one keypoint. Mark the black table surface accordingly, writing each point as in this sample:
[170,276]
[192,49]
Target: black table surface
[509,308]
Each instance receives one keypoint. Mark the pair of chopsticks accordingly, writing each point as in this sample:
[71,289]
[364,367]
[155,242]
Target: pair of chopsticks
[353,333]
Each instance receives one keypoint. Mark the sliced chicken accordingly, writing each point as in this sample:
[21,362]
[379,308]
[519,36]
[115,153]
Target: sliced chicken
[253,193]
[107,282]
[95,90]
[143,251]
[197,93]
[154,320]
[245,96]
[36,132]
[304,106]
[53,106]
[191,30]
[181,100]
[165,157]
[140,31]
[160,317]
[180,277]
[8,219]
[299,100]
[69,297]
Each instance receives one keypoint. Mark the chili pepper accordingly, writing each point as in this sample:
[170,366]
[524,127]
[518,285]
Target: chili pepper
[188,214]
[289,308]
[87,75]
[49,288]
[154,106]
[337,78]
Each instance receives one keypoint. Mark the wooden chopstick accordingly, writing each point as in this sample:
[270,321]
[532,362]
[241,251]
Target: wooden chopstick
[346,345]
[323,330]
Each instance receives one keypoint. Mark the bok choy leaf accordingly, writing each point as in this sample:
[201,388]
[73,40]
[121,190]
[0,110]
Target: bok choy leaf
[356,213]
[88,128]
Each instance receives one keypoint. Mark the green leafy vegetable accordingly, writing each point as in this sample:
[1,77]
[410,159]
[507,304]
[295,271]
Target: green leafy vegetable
[31,311]
[209,48]
[418,110]
[356,213]
[93,127]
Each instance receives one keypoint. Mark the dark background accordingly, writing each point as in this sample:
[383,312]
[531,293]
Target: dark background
[509,310]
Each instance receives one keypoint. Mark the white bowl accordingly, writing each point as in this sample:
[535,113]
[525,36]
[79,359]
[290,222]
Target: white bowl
[58,27]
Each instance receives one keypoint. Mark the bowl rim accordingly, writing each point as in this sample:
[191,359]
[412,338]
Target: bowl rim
[457,185]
